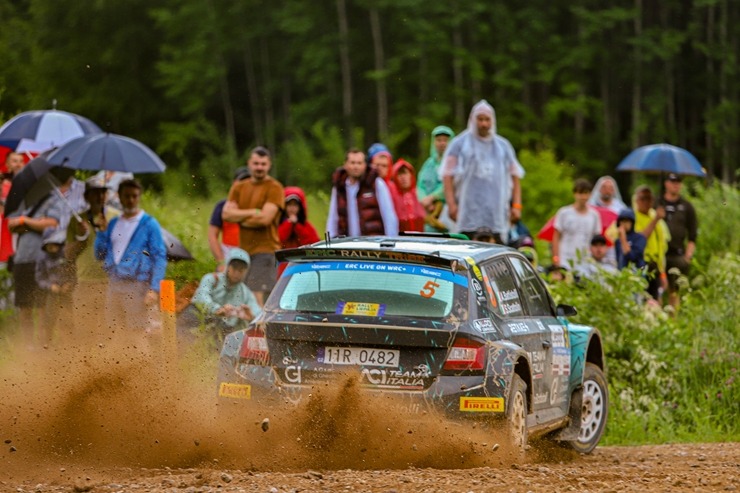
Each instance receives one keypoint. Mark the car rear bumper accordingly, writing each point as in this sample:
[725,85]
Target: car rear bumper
[457,397]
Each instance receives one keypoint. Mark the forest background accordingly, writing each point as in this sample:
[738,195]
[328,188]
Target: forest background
[202,81]
[576,86]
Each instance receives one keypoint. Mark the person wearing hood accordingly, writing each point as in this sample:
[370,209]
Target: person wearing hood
[403,190]
[606,194]
[55,275]
[630,247]
[481,176]
[381,163]
[429,187]
[295,229]
[223,299]
[360,204]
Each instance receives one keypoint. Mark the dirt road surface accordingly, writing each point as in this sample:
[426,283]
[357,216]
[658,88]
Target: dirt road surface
[105,415]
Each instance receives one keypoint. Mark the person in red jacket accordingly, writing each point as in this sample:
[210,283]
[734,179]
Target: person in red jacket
[409,210]
[295,229]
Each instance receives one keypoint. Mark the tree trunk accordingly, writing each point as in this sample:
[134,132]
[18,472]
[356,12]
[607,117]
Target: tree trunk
[344,62]
[380,87]
[258,129]
[267,97]
[457,73]
[670,83]
[223,83]
[724,92]
[637,84]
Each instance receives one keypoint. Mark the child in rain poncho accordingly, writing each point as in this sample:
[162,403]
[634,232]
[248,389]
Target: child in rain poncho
[403,190]
[429,188]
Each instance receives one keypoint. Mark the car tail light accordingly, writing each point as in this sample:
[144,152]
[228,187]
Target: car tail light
[466,354]
[254,346]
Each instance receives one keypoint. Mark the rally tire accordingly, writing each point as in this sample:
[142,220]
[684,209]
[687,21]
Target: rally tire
[516,413]
[595,409]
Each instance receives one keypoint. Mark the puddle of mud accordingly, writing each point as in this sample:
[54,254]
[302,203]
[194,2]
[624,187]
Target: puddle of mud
[117,401]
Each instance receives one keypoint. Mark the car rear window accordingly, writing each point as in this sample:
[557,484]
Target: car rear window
[369,289]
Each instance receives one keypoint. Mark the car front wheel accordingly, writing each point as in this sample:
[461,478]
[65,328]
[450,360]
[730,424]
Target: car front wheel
[594,409]
[516,413]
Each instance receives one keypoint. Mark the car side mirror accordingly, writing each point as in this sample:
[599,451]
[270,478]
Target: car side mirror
[566,311]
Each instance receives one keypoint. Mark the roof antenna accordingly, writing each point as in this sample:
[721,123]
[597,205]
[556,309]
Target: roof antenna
[327,238]
[54,104]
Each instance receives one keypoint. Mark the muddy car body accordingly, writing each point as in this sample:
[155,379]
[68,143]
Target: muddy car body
[464,327]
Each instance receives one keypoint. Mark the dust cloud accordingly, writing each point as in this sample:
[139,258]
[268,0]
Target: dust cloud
[123,400]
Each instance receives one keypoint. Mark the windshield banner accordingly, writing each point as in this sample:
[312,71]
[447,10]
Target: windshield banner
[416,270]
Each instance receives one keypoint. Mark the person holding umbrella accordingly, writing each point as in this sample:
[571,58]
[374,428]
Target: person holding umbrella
[135,257]
[650,224]
[92,281]
[681,220]
[29,224]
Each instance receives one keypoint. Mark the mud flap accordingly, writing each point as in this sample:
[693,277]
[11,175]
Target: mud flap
[571,432]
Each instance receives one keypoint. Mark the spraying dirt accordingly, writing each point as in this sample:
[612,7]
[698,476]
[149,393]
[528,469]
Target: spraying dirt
[110,411]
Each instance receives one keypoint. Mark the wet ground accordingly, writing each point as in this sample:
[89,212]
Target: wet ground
[108,414]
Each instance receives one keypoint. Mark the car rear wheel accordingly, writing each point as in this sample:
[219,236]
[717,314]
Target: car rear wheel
[594,409]
[516,413]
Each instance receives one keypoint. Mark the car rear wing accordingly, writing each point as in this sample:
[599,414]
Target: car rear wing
[296,254]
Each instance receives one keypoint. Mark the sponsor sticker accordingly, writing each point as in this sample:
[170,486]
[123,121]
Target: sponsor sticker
[518,328]
[561,361]
[235,390]
[482,404]
[558,336]
[476,269]
[484,325]
[355,308]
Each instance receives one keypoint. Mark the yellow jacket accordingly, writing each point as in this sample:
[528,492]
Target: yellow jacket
[657,242]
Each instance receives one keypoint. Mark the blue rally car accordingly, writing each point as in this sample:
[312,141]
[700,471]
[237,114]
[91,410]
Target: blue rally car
[465,327]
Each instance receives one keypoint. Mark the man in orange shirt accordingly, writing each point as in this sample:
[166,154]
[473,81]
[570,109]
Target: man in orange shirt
[256,203]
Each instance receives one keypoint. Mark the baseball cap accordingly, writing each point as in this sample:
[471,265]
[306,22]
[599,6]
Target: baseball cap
[598,240]
[292,196]
[95,182]
[673,177]
[242,173]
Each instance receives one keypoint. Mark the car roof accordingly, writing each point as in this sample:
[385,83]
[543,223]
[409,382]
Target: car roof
[439,246]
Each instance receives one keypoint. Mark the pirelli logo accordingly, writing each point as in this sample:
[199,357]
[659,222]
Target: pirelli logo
[482,404]
[235,390]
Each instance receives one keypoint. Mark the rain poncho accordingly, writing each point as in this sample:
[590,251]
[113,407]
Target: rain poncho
[408,209]
[616,204]
[483,169]
[429,182]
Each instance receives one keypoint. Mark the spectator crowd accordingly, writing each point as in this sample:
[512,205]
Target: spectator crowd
[90,244]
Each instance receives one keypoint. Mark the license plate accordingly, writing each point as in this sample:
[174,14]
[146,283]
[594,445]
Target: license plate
[359,356]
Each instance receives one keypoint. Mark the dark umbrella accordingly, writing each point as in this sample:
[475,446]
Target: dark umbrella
[35,181]
[48,128]
[109,152]
[175,249]
[662,158]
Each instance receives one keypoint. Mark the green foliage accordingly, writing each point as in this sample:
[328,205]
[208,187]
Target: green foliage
[186,216]
[717,208]
[671,379]
[546,187]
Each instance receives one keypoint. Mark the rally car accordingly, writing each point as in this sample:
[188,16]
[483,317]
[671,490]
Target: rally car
[463,327]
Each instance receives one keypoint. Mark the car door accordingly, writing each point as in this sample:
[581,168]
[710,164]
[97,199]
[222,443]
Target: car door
[552,389]
[508,304]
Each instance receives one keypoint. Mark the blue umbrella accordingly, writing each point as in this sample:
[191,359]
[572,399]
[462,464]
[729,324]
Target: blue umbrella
[45,129]
[662,158]
[108,152]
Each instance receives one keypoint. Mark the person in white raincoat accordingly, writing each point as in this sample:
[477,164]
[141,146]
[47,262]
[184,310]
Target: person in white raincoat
[481,176]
